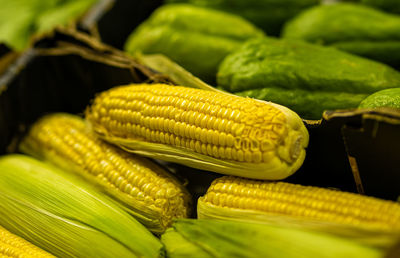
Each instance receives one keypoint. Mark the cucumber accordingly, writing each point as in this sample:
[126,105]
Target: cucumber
[269,15]
[196,38]
[383,98]
[392,6]
[306,78]
[354,28]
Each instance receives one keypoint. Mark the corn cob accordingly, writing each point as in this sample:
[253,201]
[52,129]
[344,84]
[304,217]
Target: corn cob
[217,238]
[14,246]
[204,129]
[237,198]
[152,195]
[64,215]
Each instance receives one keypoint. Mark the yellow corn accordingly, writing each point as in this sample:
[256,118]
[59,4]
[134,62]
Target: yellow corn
[14,246]
[238,198]
[154,197]
[203,129]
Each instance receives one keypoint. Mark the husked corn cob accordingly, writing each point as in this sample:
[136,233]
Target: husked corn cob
[152,195]
[14,246]
[238,198]
[203,129]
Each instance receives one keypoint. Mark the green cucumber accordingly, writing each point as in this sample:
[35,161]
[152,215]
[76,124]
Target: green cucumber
[392,6]
[383,98]
[354,28]
[306,78]
[196,38]
[269,15]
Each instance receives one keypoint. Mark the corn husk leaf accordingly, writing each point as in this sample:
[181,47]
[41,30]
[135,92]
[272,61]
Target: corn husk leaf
[20,19]
[65,216]
[362,234]
[276,169]
[179,247]
[177,73]
[62,14]
[240,239]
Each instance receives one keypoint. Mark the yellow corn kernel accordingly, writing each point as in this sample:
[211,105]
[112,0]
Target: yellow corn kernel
[14,246]
[238,198]
[154,197]
[208,130]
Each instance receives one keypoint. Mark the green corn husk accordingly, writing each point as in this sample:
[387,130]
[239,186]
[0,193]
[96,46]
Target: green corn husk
[370,236]
[216,238]
[20,19]
[65,216]
[178,246]
[62,14]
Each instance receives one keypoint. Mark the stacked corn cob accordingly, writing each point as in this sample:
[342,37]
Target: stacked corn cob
[150,193]
[205,129]
[242,199]
[14,246]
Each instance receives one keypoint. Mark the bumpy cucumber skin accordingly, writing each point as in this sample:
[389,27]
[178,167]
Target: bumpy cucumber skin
[383,98]
[392,6]
[304,77]
[269,15]
[357,29]
[196,38]
[309,104]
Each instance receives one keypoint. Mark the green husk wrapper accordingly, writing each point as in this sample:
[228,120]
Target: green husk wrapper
[365,235]
[218,238]
[66,216]
[177,73]
[276,169]
[20,19]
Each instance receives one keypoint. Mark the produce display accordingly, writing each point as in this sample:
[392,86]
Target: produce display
[268,15]
[205,136]
[383,98]
[304,77]
[353,28]
[150,193]
[205,129]
[196,38]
